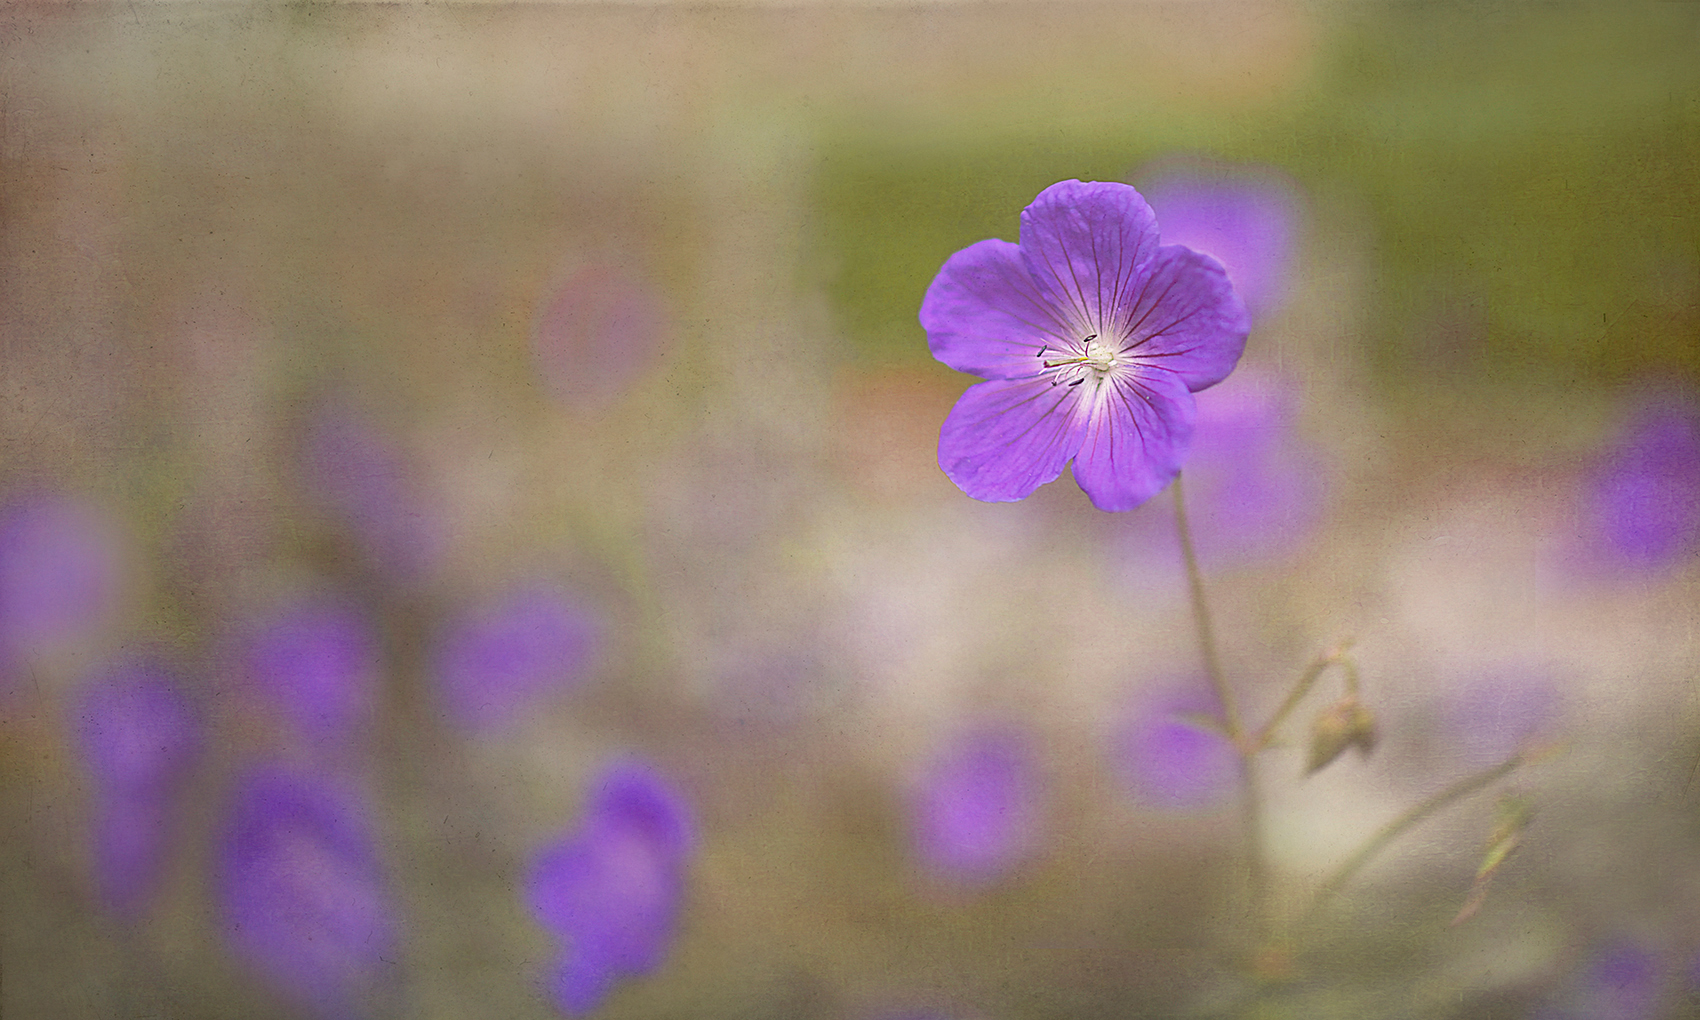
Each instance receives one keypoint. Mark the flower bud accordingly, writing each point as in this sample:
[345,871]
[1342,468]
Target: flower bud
[1346,723]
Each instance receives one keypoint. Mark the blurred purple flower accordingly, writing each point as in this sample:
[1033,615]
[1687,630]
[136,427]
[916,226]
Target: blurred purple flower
[140,739]
[304,901]
[612,888]
[1244,217]
[975,811]
[1170,756]
[1645,499]
[497,659]
[1092,338]
[596,334]
[366,484]
[1622,981]
[317,659]
[1255,488]
[60,566]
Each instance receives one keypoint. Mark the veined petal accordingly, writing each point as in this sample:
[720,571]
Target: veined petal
[1007,437]
[1088,245]
[1187,319]
[983,314]
[1136,434]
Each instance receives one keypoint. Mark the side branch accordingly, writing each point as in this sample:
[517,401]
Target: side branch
[1398,826]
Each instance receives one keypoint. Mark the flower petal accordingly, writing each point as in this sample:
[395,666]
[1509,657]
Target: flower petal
[1136,435]
[1088,246]
[1007,437]
[1245,217]
[1188,318]
[983,314]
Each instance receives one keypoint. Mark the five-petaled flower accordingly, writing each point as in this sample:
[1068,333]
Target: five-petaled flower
[1092,337]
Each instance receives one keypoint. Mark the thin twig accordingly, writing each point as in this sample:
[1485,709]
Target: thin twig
[1201,616]
[1306,681]
[1251,800]
[1398,826]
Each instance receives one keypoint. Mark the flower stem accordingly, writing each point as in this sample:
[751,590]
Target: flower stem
[1201,617]
[1398,826]
[1251,799]
[1306,681]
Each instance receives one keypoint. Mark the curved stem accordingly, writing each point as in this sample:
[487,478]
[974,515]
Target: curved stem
[1201,617]
[1251,799]
[1398,826]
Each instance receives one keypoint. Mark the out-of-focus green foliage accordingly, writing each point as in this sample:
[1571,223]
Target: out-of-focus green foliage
[894,210]
[1528,176]
[1531,180]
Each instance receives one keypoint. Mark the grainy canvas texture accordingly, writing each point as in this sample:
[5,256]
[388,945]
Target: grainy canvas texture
[476,538]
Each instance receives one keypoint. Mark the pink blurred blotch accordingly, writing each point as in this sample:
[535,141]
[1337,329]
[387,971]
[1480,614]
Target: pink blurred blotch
[596,333]
[61,574]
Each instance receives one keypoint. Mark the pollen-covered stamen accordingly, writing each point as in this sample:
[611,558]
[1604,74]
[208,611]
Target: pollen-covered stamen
[1094,357]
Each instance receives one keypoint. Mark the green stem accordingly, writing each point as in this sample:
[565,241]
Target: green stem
[1306,681]
[1201,617]
[1398,826]
[1251,799]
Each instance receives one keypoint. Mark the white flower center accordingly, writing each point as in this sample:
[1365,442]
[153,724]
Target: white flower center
[1099,354]
[1090,357]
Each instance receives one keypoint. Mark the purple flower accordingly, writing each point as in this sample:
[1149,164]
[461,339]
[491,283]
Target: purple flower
[1244,217]
[497,659]
[974,813]
[1622,981]
[1092,338]
[595,334]
[317,659]
[59,575]
[1646,492]
[304,901]
[612,888]
[140,739]
[1170,756]
[1254,487]
[365,482]
[1259,485]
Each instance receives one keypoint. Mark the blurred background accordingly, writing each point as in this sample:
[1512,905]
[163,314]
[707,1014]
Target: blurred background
[471,542]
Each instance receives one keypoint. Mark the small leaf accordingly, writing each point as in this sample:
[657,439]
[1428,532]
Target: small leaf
[1514,815]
